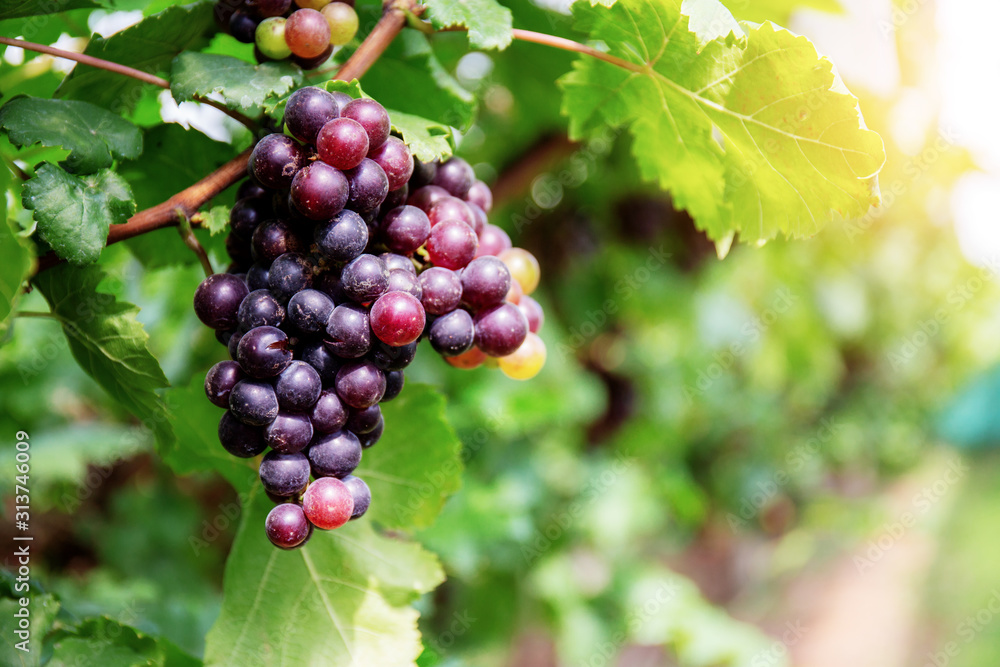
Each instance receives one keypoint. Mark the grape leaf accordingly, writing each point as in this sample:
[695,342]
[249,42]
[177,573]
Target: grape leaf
[18,8]
[94,136]
[43,608]
[215,219]
[149,46]
[753,133]
[427,140]
[412,472]
[74,213]
[17,262]
[342,599]
[107,341]
[105,641]
[410,58]
[243,86]
[779,11]
[489,22]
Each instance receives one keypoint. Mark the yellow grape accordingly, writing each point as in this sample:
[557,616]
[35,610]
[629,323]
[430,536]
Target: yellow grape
[523,268]
[527,361]
[312,4]
[343,22]
[270,38]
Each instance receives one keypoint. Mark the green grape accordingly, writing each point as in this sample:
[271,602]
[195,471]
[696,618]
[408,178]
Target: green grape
[270,38]
[343,22]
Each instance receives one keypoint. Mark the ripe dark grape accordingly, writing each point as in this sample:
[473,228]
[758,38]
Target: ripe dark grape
[397,318]
[314,62]
[396,197]
[298,387]
[220,380]
[479,217]
[253,402]
[455,176]
[257,276]
[480,195]
[451,208]
[485,283]
[223,335]
[423,173]
[401,280]
[309,311]
[364,421]
[335,454]
[348,332]
[290,273]
[284,474]
[364,279]
[263,352]
[250,190]
[404,229]
[500,330]
[373,436]
[329,413]
[532,312]
[372,117]
[342,238]
[289,432]
[492,241]
[260,309]
[243,27]
[424,198]
[319,191]
[452,334]
[360,384]
[239,251]
[275,160]
[233,345]
[396,161]
[307,111]
[393,357]
[369,186]
[394,381]
[360,493]
[328,503]
[267,8]
[452,244]
[273,239]
[395,262]
[217,300]
[239,439]
[286,526]
[323,360]
[307,33]
[342,143]
[246,215]
[442,290]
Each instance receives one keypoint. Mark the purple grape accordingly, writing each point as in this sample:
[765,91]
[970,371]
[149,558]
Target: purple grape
[372,117]
[364,421]
[394,381]
[220,380]
[364,279]
[373,436]
[451,208]
[264,352]
[284,474]
[239,439]
[325,362]
[455,176]
[268,8]
[298,387]
[319,191]
[273,239]
[480,218]
[501,330]
[243,27]
[329,414]
[239,251]
[309,311]
[389,358]
[423,173]
[257,276]
[253,402]
[343,238]
[492,241]
[452,244]
[480,195]
[313,63]
[348,333]
[397,318]
[234,343]
[342,143]
[290,273]
[396,161]
[452,334]
[217,300]
[442,290]
[369,186]
[275,160]
[260,309]
[396,197]
[307,111]
[404,229]
[360,384]
[485,283]
[395,262]
[246,215]
[335,454]
[286,526]
[361,493]
[250,190]
[401,280]
[532,312]
[424,198]
[289,432]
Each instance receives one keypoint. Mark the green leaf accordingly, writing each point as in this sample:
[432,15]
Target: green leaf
[107,341]
[779,11]
[216,219]
[94,136]
[243,86]
[427,140]
[149,46]
[42,607]
[17,262]
[105,641]
[489,22]
[17,8]
[74,213]
[752,134]
[410,58]
[343,599]
[411,472]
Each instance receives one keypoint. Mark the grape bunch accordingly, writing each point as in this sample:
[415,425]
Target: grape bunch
[346,252]
[306,32]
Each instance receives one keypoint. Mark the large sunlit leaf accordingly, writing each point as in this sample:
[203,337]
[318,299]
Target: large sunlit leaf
[488,22]
[241,85]
[750,130]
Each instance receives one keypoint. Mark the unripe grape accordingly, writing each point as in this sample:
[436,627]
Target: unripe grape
[270,38]
[307,33]
[526,361]
[523,267]
[343,21]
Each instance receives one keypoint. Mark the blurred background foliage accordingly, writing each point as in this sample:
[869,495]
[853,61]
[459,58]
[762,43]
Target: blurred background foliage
[713,467]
